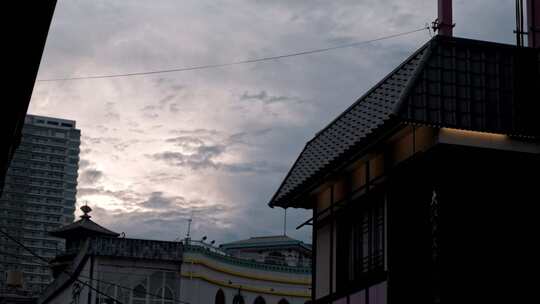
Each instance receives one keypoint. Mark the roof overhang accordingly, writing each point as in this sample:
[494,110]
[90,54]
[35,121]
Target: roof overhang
[448,83]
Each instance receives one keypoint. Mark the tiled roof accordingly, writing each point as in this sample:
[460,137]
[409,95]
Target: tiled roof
[83,227]
[479,86]
[265,241]
[448,82]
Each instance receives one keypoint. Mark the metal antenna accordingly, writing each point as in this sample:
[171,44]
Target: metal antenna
[285,223]
[189,226]
[520,40]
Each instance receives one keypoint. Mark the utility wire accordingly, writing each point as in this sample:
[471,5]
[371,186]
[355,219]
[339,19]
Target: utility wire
[64,271]
[156,296]
[219,65]
[19,257]
[83,276]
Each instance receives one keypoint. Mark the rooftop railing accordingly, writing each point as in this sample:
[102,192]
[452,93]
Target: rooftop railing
[217,254]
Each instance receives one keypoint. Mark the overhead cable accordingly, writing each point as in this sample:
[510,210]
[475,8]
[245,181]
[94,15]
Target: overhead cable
[247,61]
[71,275]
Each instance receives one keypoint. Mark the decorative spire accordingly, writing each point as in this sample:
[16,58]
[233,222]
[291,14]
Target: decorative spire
[86,209]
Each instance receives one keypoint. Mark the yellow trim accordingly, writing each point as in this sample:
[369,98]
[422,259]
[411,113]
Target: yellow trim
[483,135]
[269,291]
[248,276]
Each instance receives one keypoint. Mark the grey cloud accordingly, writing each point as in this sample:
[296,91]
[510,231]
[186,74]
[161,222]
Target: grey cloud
[149,108]
[85,151]
[140,131]
[111,112]
[90,140]
[258,167]
[84,163]
[121,146]
[161,80]
[90,176]
[273,99]
[158,178]
[102,128]
[163,101]
[238,137]
[168,219]
[85,139]
[128,197]
[158,201]
[151,115]
[187,142]
[263,97]
[177,87]
[203,157]
[133,124]
[173,107]
[195,132]
[246,136]
[90,37]
[199,154]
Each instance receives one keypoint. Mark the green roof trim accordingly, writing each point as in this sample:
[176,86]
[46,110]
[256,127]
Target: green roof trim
[245,263]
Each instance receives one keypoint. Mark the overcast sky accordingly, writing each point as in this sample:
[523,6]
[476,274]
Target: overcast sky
[217,143]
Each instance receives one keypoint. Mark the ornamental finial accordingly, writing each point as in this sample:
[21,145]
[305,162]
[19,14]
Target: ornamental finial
[86,209]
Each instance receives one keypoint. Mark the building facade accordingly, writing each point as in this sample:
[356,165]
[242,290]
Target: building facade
[213,275]
[99,266]
[421,190]
[278,250]
[39,196]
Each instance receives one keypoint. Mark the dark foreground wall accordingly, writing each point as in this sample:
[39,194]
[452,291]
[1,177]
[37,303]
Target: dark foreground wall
[26,24]
[463,227]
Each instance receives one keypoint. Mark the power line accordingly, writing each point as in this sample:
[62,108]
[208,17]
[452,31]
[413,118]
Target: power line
[72,276]
[156,296]
[82,276]
[220,65]
[19,257]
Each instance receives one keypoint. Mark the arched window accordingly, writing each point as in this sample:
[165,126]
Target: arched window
[238,299]
[283,301]
[139,294]
[163,296]
[259,300]
[275,258]
[110,294]
[220,297]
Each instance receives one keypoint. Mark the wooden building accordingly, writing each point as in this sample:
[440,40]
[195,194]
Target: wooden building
[424,190]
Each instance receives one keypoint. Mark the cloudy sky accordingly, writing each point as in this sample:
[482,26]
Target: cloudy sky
[216,143]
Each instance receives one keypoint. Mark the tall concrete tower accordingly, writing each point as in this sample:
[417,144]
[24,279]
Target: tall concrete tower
[39,196]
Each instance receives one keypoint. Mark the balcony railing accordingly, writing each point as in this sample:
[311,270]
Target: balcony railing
[136,248]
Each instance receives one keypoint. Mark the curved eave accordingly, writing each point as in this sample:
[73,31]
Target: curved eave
[83,227]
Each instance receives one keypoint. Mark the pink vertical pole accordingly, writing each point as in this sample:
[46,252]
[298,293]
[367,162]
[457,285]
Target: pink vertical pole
[445,18]
[533,20]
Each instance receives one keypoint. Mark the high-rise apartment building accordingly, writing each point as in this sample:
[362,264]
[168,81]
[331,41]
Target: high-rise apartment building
[39,196]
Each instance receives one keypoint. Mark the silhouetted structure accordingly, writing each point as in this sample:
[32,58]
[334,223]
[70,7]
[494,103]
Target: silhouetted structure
[24,41]
[26,28]
[127,270]
[278,250]
[422,191]
[39,196]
